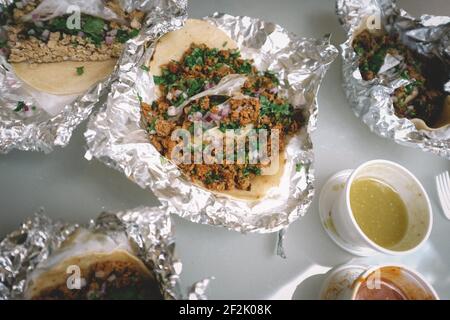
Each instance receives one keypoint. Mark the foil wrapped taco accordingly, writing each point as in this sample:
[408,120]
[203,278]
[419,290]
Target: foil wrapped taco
[103,268]
[57,58]
[397,72]
[53,52]
[186,63]
[218,80]
[121,256]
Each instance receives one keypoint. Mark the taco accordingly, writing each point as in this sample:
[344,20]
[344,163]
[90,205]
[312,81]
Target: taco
[423,100]
[189,65]
[106,269]
[65,54]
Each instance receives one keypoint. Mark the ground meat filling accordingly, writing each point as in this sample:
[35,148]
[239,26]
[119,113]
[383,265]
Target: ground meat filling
[424,97]
[108,281]
[53,41]
[259,106]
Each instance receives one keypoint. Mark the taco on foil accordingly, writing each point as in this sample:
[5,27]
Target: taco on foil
[91,266]
[65,47]
[189,66]
[423,100]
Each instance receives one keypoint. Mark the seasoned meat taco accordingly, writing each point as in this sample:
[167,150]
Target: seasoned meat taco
[105,269]
[423,100]
[189,66]
[66,53]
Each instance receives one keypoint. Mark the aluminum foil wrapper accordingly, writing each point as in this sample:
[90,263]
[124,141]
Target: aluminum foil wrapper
[149,231]
[116,136]
[50,120]
[371,101]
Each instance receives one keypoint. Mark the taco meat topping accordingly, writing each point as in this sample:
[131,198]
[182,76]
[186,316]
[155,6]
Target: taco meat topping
[259,105]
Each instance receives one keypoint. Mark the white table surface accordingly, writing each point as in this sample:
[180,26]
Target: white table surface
[244,266]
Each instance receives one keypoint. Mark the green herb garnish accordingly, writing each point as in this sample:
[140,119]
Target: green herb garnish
[409,88]
[195,58]
[272,76]
[359,50]
[377,60]
[229,126]
[194,86]
[80,70]
[123,35]
[405,75]
[212,177]
[251,170]
[94,28]
[245,68]
[278,111]
[20,106]
[151,126]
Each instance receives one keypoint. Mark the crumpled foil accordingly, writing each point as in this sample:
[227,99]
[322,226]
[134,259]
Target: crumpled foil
[149,231]
[38,130]
[116,136]
[371,101]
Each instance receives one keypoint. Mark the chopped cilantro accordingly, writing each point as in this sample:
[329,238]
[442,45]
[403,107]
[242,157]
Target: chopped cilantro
[159,80]
[359,50]
[167,78]
[180,100]
[133,33]
[272,76]
[365,67]
[80,70]
[194,86]
[212,177]
[195,58]
[123,35]
[20,106]
[58,24]
[151,126]
[298,167]
[276,110]
[251,170]
[145,68]
[405,75]
[409,88]
[195,108]
[245,68]
[377,60]
[235,54]
[229,126]
[93,26]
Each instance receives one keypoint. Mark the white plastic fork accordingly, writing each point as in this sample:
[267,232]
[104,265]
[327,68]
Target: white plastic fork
[443,189]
